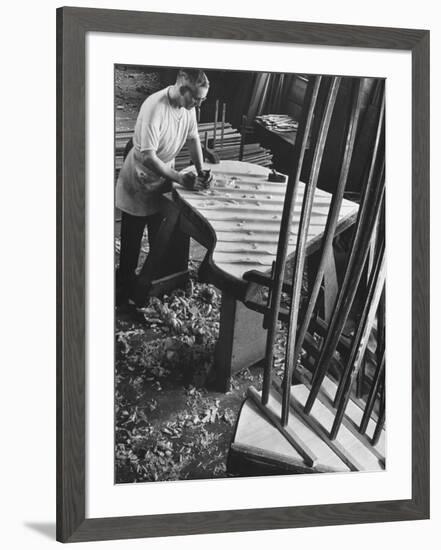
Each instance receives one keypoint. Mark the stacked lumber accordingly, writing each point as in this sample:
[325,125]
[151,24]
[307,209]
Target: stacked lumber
[227,149]
[121,139]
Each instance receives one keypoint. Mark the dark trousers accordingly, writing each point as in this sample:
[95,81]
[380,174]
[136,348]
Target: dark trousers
[132,230]
[173,260]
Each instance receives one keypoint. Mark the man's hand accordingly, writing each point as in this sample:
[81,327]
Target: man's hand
[205,179]
[188,180]
[202,180]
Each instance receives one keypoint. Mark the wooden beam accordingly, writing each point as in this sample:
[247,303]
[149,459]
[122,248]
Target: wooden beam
[356,357]
[288,209]
[379,372]
[302,237]
[367,216]
[331,223]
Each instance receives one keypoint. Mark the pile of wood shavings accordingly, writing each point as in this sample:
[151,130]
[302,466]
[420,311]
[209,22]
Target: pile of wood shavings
[168,425]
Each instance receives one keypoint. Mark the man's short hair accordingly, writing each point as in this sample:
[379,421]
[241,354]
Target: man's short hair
[196,78]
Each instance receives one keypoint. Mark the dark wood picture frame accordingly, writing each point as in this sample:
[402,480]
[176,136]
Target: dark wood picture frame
[72,26]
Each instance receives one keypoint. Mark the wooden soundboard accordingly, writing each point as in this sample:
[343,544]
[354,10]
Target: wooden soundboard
[244,209]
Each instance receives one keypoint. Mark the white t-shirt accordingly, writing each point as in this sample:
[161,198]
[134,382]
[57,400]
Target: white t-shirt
[160,128]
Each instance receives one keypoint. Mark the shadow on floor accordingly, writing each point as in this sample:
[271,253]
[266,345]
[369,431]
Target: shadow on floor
[48,530]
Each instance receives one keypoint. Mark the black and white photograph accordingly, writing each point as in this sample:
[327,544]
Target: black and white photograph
[250,325]
[221,264]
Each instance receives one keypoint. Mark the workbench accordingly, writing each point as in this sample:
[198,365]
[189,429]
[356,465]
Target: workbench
[280,143]
[238,222]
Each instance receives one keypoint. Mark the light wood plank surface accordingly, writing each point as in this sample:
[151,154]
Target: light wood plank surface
[245,211]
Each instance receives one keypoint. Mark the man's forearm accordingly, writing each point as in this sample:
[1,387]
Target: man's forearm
[153,163]
[194,146]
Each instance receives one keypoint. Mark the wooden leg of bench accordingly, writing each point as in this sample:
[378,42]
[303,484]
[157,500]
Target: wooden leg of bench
[242,340]
[166,262]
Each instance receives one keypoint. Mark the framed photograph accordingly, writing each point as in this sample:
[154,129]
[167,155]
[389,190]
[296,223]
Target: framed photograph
[242,274]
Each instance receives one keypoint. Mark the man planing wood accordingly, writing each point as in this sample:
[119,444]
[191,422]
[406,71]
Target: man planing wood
[165,123]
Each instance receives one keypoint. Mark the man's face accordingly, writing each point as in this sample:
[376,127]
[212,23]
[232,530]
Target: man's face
[193,96]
